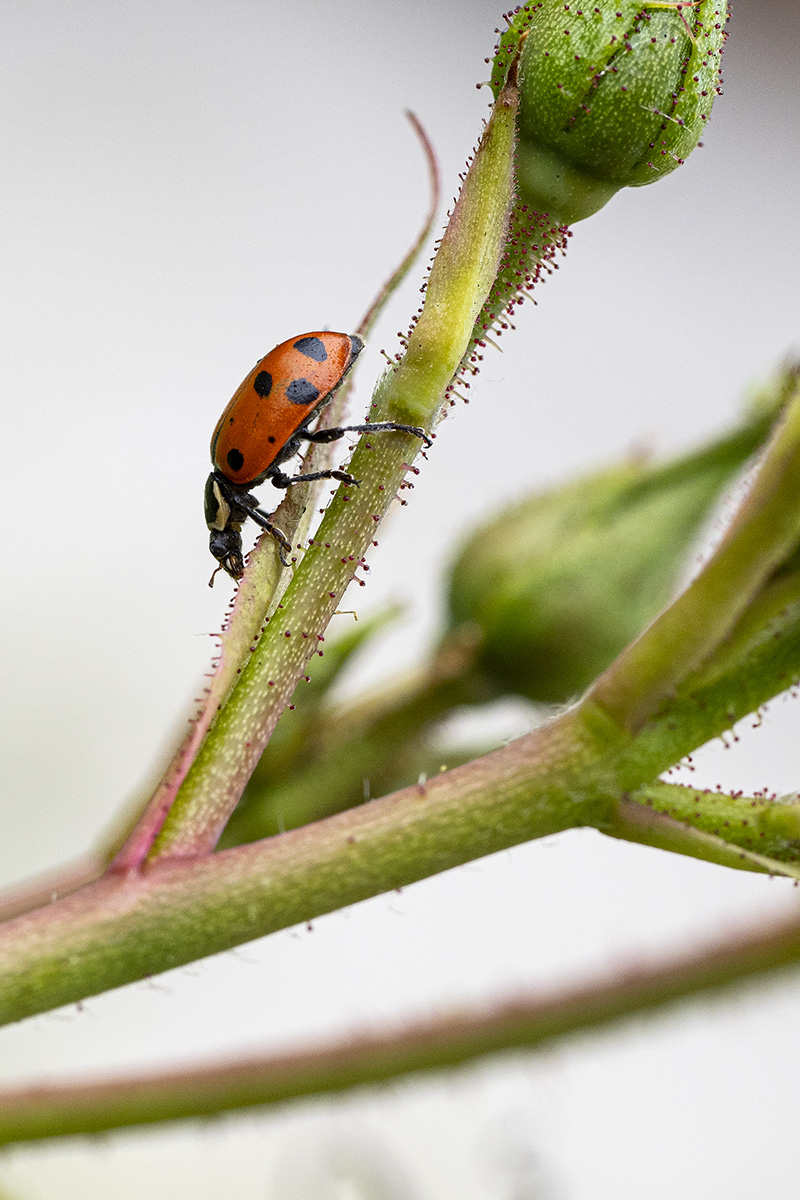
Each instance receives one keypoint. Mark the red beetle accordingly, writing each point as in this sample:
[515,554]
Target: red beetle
[264,425]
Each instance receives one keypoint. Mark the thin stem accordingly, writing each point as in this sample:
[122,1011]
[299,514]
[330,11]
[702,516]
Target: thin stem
[638,822]
[28,1114]
[399,274]
[764,825]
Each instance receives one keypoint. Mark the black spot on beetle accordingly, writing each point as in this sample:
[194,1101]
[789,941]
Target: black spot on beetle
[235,460]
[271,440]
[263,383]
[312,347]
[300,391]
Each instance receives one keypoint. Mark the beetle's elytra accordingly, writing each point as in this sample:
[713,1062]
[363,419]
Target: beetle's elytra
[263,426]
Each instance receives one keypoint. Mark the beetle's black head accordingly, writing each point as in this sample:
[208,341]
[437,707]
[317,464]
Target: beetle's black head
[225,541]
[226,546]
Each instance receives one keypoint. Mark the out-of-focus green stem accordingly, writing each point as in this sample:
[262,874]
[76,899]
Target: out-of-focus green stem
[438,1044]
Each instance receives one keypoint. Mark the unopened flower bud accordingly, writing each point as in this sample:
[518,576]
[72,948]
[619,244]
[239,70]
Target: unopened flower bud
[558,585]
[613,94]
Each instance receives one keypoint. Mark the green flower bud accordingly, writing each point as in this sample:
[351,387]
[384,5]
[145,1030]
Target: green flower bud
[558,585]
[611,95]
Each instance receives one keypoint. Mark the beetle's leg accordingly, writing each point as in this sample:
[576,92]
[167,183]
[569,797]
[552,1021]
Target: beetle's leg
[330,435]
[261,518]
[284,545]
[284,481]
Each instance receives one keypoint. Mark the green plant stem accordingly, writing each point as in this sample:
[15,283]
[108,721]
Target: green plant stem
[262,586]
[411,393]
[762,824]
[756,661]
[637,822]
[233,747]
[443,1043]
[569,773]
[764,532]
[255,600]
[124,927]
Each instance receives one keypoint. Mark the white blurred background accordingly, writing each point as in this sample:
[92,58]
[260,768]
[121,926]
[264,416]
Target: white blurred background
[183,186]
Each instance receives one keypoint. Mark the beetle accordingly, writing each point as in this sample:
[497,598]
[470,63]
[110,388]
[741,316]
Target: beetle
[263,426]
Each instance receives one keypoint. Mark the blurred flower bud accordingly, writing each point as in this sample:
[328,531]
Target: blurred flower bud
[559,584]
[612,95]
